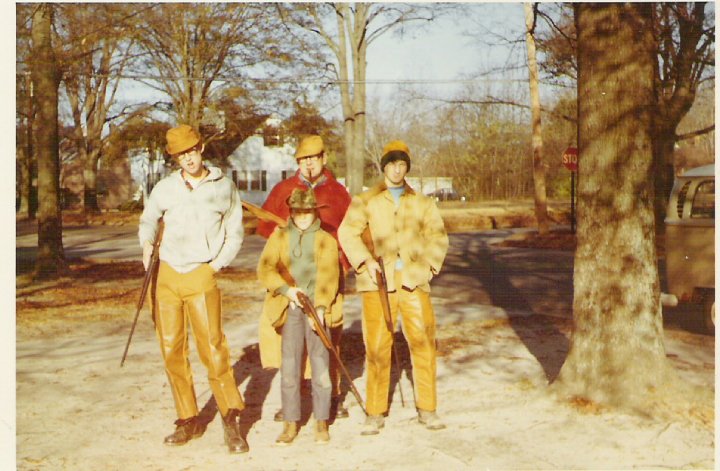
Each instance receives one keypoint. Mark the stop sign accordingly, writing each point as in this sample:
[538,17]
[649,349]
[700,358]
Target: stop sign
[570,159]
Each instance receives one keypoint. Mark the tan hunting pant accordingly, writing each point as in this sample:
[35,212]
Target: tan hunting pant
[193,299]
[418,325]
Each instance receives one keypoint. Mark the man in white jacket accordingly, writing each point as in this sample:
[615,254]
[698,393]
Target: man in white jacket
[203,232]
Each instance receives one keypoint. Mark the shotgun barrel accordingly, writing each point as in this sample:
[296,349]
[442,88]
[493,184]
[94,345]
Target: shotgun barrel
[150,278]
[385,303]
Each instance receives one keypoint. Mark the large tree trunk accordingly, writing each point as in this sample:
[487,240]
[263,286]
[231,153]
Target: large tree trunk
[537,141]
[351,32]
[50,257]
[26,154]
[25,182]
[90,201]
[664,170]
[617,355]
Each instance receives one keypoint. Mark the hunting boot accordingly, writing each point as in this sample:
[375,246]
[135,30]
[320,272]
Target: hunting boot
[234,441]
[185,430]
[288,434]
[341,411]
[372,425]
[322,435]
[430,420]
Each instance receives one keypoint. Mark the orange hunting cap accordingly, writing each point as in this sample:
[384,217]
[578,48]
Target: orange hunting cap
[309,146]
[395,150]
[396,146]
[181,139]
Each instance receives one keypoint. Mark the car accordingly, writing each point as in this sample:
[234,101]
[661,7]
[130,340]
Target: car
[690,243]
[446,194]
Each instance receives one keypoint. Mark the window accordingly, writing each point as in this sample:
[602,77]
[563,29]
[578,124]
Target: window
[703,205]
[258,180]
[272,137]
[252,180]
[681,199]
[241,180]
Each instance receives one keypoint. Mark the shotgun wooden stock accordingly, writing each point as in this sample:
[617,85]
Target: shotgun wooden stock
[264,214]
[307,306]
[150,278]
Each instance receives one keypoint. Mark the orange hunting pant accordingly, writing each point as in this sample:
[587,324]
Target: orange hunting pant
[193,299]
[418,325]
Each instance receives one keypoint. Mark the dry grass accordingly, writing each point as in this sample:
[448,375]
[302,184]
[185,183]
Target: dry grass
[109,292]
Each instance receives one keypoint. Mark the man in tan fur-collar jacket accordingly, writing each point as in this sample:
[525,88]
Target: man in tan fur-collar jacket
[406,230]
[203,232]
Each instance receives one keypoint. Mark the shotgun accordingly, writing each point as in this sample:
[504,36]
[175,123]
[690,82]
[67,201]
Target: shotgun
[308,308]
[385,303]
[264,214]
[150,277]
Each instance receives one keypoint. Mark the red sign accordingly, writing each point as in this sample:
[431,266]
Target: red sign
[570,159]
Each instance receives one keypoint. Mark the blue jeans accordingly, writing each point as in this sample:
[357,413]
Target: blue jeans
[296,333]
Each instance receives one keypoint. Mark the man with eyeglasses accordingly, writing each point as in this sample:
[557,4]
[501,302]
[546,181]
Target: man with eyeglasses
[333,200]
[203,231]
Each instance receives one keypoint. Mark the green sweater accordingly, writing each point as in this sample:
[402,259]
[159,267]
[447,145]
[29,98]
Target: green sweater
[301,245]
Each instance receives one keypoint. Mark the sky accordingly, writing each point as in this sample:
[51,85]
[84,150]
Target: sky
[441,51]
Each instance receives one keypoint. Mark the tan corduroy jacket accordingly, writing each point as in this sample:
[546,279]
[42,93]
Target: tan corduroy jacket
[273,274]
[413,231]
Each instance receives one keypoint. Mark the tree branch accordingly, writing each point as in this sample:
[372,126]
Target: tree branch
[699,132]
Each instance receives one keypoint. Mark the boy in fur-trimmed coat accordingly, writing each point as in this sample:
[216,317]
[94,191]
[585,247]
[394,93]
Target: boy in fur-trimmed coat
[301,258]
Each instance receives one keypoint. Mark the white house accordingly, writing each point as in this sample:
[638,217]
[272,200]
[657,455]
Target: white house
[256,168]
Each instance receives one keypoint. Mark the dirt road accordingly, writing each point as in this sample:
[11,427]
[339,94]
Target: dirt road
[504,326]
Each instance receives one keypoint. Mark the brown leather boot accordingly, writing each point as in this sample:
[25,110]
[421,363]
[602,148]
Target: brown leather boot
[322,435]
[233,439]
[288,434]
[186,430]
[341,411]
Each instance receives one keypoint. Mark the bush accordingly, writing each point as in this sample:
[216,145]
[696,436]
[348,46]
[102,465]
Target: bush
[131,205]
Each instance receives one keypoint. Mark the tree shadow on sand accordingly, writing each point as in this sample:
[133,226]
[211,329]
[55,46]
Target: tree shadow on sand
[256,391]
[521,282]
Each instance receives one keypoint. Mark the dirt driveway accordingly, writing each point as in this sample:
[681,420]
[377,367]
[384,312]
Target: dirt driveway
[503,333]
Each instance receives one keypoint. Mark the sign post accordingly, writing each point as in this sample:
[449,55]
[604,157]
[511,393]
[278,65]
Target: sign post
[570,161]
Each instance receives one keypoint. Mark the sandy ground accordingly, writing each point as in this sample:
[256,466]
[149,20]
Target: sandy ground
[77,409]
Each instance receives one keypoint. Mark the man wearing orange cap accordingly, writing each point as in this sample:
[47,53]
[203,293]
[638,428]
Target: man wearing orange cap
[203,232]
[333,200]
[408,233]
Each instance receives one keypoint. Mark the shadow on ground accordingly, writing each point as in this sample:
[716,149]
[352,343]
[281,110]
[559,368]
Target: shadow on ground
[521,282]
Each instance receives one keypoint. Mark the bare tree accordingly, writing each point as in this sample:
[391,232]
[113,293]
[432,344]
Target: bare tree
[45,78]
[537,141]
[685,52]
[355,27]
[25,111]
[617,354]
[96,50]
[683,61]
[193,51]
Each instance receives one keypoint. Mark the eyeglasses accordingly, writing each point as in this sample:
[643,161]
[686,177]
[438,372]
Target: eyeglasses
[310,158]
[188,154]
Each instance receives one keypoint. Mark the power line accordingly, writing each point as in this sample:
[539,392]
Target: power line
[237,79]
